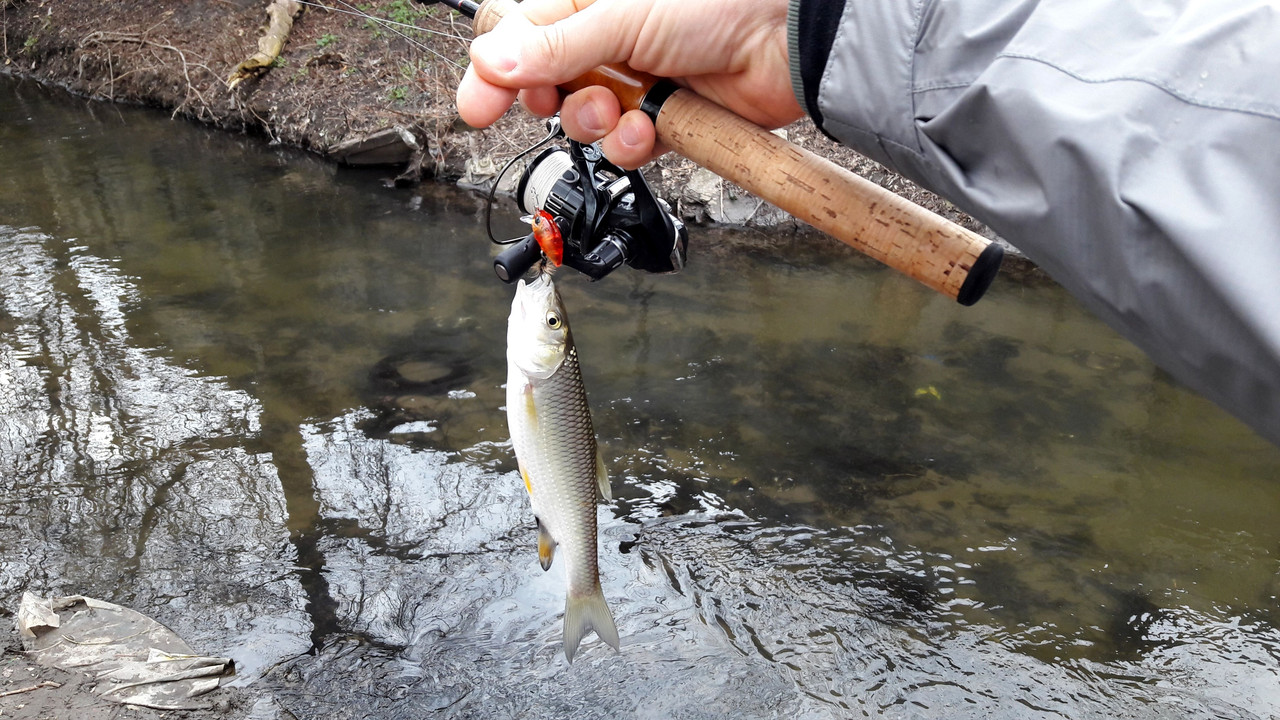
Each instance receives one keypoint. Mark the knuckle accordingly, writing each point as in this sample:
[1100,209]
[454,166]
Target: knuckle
[552,45]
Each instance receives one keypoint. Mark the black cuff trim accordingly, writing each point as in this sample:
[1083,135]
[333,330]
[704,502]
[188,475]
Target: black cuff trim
[654,98]
[816,24]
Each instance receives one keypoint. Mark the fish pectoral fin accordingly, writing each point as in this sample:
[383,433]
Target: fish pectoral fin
[546,547]
[602,478]
[587,612]
[530,408]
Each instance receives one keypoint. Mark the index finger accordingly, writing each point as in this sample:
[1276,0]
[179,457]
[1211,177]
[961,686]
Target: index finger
[545,12]
[528,47]
[537,12]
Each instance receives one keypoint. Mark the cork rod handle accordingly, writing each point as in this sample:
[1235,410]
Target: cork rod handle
[935,251]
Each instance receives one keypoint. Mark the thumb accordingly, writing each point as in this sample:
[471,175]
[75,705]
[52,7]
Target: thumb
[519,54]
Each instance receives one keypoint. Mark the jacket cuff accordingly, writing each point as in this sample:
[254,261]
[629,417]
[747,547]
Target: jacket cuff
[811,31]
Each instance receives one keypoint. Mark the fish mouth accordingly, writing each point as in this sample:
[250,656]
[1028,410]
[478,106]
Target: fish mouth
[540,280]
[531,291]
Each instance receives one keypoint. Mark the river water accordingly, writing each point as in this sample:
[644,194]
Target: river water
[259,398]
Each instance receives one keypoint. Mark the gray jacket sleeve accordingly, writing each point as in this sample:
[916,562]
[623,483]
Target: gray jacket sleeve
[1131,149]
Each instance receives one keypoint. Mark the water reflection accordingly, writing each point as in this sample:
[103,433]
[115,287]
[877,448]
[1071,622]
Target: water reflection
[260,399]
[126,476]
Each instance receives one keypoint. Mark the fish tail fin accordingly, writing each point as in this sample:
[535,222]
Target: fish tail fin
[587,612]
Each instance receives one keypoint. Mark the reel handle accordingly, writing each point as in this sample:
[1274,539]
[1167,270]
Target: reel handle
[908,238]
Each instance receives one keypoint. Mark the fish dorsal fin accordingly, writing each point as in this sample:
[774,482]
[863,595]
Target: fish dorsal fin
[602,478]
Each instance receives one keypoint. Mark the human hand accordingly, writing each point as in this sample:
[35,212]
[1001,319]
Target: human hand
[732,52]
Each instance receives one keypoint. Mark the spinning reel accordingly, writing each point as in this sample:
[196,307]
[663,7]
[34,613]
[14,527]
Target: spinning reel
[588,214]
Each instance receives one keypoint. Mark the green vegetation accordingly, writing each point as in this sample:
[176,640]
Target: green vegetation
[326,40]
[402,11]
[404,15]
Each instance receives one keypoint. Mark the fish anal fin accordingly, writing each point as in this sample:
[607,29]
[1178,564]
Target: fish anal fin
[546,547]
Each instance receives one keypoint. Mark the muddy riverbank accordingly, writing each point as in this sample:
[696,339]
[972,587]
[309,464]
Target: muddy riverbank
[355,83]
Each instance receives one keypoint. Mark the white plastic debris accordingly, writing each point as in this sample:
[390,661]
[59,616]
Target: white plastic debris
[135,659]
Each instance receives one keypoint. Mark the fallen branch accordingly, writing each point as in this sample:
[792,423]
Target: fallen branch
[271,44]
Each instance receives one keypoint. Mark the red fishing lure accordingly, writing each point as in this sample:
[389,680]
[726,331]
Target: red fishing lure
[547,233]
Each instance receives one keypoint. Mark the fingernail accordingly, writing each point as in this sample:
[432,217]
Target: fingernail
[629,134]
[589,118]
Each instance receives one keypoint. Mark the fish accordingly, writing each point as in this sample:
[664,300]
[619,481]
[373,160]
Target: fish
[556,451]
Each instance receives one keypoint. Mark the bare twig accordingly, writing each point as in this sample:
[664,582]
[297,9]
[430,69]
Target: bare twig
[102,37]
[37,686]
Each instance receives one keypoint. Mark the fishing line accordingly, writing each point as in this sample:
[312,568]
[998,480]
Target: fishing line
[553,125]
[392,26]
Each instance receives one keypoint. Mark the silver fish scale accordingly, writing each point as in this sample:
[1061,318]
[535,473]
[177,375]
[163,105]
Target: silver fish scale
[565,484]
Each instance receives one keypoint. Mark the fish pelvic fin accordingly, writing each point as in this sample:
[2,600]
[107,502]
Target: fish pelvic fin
[587,612]
[546,547]
[602,478]
[524,474]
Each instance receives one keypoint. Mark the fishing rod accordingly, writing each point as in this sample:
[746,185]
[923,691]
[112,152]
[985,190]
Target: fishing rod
[466,7]
[927,247]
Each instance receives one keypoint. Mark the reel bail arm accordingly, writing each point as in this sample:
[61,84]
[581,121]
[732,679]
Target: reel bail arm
[603,216]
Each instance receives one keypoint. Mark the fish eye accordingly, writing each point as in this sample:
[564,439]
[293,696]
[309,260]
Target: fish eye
[553,321]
